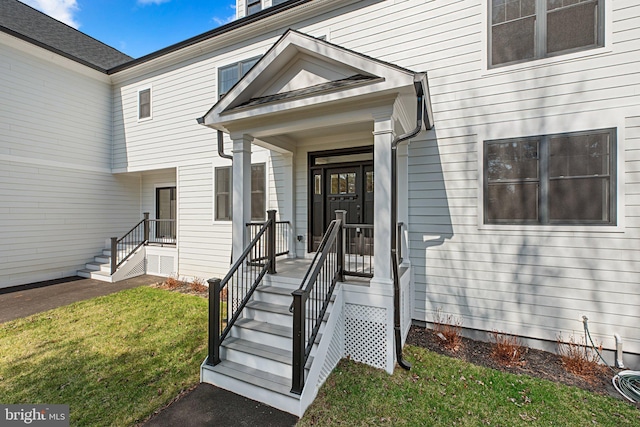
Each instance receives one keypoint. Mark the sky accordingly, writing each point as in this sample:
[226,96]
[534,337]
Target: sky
[139,27]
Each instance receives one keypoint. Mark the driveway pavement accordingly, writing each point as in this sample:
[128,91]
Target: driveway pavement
[25,300]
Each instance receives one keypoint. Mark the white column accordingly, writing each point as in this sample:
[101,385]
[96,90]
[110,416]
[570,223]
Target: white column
[382,138]
[241,192]
[287,208]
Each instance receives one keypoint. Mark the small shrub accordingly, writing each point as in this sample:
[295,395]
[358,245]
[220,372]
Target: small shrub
[578,358]
[507,349]
[449,329]
[197,285]
[173,282]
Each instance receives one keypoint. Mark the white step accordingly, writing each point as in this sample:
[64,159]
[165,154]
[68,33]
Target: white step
[96,266]
[270,389]
[254,355]
[256,331]
[96,275]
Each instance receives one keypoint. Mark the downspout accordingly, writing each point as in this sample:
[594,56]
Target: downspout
[221,152]
[417,83]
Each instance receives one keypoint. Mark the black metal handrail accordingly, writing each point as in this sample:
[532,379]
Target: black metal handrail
[229,296]
[162,232]
[282,235]
[358,251]
[311,300]
[122,248]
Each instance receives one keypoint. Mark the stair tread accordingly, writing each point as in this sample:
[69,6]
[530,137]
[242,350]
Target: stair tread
[262,350]
[256,377]
[270,328]
[267,306]
[98,272]
[275,290]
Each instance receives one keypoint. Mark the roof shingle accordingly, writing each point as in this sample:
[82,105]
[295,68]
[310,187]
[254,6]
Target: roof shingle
[29,24]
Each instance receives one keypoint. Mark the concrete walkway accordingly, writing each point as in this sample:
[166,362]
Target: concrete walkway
[206,405]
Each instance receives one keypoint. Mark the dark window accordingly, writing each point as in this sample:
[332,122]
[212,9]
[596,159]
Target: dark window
[253,6]
[165,212]
[144,104]
[552,179]
[522,30]
[223,191]
[231,74]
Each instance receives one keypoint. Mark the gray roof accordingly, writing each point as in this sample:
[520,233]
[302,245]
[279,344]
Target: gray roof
[347,82]
[29,24]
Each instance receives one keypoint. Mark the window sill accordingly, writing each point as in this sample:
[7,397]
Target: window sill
[535,229]
[545,62]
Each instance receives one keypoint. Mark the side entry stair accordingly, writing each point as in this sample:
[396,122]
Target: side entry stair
[100,267]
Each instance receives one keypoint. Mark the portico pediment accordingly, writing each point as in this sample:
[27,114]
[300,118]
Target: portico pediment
[301,72]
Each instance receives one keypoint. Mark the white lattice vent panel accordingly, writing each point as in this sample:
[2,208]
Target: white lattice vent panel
[166,265]
[335,351]
[366,334]
[153,264]
[138,270]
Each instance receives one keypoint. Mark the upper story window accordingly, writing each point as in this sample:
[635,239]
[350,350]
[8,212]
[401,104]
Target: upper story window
[144,104]
[229,75]
[253,6]
[523,30]
[551,179]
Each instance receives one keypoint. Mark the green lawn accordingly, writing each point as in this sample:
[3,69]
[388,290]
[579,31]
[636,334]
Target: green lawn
[114,360]
[441,391]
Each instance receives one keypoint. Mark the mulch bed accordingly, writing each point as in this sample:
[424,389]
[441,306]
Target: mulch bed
[535,363]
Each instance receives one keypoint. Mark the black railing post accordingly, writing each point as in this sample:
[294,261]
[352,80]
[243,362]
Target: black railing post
[342,217]
[271,241]
[114,254]
[146,227]
[214,322]
[299,344]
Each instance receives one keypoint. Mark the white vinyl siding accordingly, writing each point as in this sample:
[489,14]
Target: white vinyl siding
[60,201]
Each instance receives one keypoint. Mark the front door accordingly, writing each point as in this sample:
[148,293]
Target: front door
[348,187]
[165,213]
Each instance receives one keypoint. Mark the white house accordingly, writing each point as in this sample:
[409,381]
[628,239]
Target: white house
[514,126]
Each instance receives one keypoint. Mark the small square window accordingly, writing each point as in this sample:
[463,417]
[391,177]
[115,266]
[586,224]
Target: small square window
[144,104]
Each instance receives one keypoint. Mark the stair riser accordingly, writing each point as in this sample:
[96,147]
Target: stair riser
[95,276]
[102,259]
[278,341]
[256,362]
[98,267]
[269,317]
[276,400]
[282,282]
[273,298]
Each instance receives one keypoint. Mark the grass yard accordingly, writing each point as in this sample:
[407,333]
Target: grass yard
[114,360]
[441,391]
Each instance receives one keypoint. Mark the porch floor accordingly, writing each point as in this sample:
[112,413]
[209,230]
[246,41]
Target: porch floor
[296,268]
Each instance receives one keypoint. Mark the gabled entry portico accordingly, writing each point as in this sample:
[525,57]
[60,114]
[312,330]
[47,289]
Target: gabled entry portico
[320,106]
[307,95]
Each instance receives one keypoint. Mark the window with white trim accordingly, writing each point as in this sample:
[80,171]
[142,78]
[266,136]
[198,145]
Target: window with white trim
[231,74]
[522,30]
[253,6]
[223,192]
[552,179]
[144,104]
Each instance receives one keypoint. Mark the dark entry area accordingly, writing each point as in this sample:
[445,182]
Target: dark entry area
[339,180]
